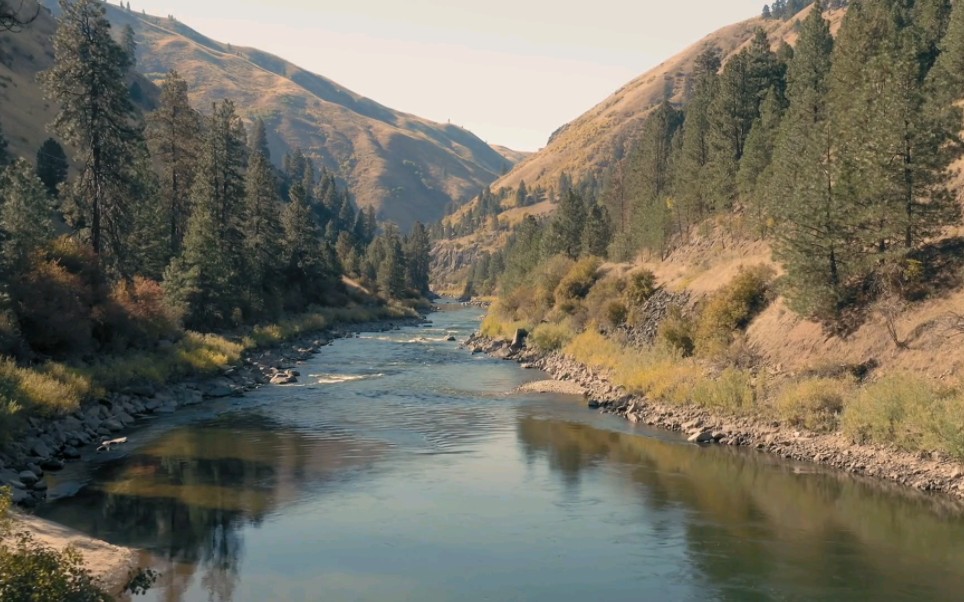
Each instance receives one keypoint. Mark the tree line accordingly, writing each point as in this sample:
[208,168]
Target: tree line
[177,212]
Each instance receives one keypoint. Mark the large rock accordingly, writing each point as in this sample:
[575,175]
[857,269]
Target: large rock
[519,340]
[38,448]
[27,477]
[217,389]
[702,437]
[113,425]
[283,378]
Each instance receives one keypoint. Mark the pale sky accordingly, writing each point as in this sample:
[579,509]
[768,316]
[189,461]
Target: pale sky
[511,71]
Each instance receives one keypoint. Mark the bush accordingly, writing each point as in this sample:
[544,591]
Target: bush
[906,411]
[815,404]
[732,391]
[731,309]
[577,283]
[552,336]
[640,288]
[604,304]
[52,389]
[147,316]
[676,330]
[34,572]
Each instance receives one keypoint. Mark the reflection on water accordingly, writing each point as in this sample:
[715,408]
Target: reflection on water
[406,472]
[759,530]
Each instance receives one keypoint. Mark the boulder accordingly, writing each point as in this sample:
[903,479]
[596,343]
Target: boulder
[113,425]
[52,464]
[519,340]
[283,378]
[701,437]
[217,389]
[38,448]
[27,477]
[71,453]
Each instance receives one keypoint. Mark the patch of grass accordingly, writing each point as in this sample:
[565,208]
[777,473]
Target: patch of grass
[910,412]
[48,390]
[815,404]
[733,391]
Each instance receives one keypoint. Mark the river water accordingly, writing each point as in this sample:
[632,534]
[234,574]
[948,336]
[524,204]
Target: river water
[404,468]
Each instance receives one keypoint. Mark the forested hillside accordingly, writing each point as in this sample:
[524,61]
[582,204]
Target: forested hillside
[155,221]
[797,217]
[406,167]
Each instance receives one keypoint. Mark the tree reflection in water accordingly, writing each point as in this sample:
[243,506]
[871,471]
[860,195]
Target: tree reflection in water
[751,522]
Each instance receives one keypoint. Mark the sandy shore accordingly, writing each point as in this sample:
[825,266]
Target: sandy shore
[562,387]
[111,565]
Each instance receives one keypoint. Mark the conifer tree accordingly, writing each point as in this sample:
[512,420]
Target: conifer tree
[52,165]
[597,235]
[564,234]
[26,213]
[173,132]
[811,233]
[692,173]
[418,250]
[755,170]
[261,229]
[97,118]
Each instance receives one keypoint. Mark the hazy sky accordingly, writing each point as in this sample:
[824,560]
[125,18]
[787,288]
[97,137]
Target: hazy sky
[512,71]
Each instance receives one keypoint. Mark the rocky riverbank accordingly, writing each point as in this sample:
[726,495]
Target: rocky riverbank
[923,472]
[47,445]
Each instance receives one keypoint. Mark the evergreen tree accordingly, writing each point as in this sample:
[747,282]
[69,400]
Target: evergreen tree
[26,213]
[173,132]
[388,258]
[564,234]
[96,116]
[262,232]
[810,221]
[52,165]
[597,235]
[206,279]
[755,170]
[692,173]
[418,251]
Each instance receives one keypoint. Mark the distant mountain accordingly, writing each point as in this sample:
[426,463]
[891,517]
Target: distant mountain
[407,167]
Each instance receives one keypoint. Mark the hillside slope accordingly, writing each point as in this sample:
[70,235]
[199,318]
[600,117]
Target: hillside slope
[588,144]
[407,167]
[24,114]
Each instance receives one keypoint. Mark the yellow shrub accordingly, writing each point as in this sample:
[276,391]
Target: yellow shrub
[815,404]
[552,336]
[732,391]
[731,308]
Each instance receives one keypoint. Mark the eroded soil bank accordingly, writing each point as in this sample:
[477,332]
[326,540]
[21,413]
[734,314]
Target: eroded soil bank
[923,472]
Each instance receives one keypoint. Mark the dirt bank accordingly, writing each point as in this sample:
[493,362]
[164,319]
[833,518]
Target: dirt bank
[923,472]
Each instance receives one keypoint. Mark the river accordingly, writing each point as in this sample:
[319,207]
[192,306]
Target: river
[404,468]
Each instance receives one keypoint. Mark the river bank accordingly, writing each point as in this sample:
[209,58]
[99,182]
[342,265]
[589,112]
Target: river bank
[48,445]
[935,472]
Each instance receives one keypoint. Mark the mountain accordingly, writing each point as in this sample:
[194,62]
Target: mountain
[588,144]
[407,167]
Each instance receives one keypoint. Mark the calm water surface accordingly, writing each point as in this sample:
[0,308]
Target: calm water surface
[402,468]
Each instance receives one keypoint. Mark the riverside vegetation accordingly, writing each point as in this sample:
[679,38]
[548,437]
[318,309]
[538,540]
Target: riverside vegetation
[776,147]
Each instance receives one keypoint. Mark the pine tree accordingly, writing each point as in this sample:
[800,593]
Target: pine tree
[597,235]
[206,279]
[96,117]
[173,132]
[692,173]
[52,165]
[26,213]
[564,234]
[947,79]
[305,264]
[755,168]
[261,228]
[744,83]
[418,251]
[811,233]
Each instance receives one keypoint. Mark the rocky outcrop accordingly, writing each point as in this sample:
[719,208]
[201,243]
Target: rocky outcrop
[929,472]
[47,444]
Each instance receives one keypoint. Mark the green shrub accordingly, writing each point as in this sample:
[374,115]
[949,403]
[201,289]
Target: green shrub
[815,404]
[577,283]
[552,336]
[640,287]
[676,330]
[731,309]
[31,571]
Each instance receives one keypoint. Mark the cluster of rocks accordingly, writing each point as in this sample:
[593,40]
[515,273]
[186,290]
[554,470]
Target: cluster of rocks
[931,472]
[48,444]
[652,313]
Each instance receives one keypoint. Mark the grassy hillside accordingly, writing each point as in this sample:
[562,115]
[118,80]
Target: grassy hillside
[588,144]
[24,114]
[407,167]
